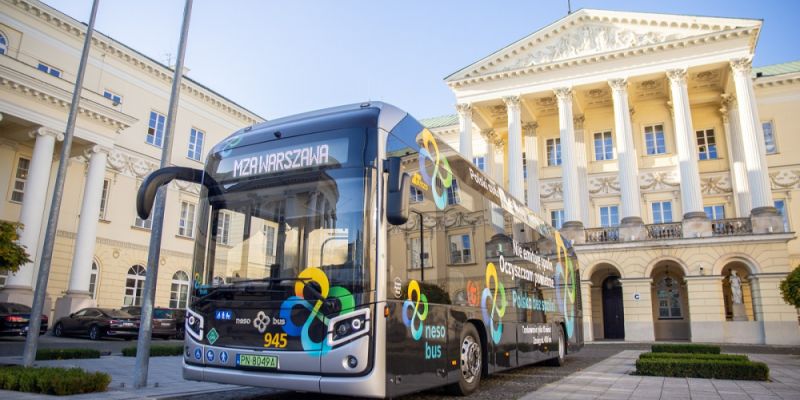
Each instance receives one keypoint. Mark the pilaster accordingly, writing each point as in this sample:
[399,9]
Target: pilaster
[532,158]
[516,184]
[583,169]
[465,130]
[586,304]
[779,319]
[706,308]
[638,309]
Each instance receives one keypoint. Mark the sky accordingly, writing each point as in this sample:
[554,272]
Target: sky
[278,58]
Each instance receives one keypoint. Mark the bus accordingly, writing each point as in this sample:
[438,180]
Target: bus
[350,251]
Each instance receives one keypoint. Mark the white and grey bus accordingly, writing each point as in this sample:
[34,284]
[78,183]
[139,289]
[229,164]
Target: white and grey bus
[351,251]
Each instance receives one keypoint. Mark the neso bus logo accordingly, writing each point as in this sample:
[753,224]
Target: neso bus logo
[318,295]
[418,314]
[490,293]
[430,151]
[565,285]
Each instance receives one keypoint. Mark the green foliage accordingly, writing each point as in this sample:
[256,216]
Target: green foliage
[685,348]
[50,380]
[66,354]
[156,351]
[696,356]
[702,368]
[12,255]
[790,288]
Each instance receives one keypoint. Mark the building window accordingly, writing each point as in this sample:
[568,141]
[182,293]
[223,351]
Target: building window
[781,206]
[669,299]
[144,223]
[769,137]
[269,239]
[413,253]
[186,222]
[603,146]
[104,198]
[196,144]
[416,194]
[3,277]
[654,139]
[115,98]
[3,44]
[460,249]
[155,129]
[223,228]
[524,165]
[715,211]
[134,284]
[553,152]
[23,165]
[93,281]
[480,162]
[49,70]
[706,144]
[179,291]
[453,196]
[609,216]
[557,218]
[662,212]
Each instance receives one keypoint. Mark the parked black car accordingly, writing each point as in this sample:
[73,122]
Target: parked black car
[14,319]
[97,323]
[163,321]
[179,314]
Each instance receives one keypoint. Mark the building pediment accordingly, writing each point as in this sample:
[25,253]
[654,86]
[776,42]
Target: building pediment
[588,33]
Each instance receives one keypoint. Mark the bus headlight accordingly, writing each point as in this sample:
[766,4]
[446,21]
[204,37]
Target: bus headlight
[194,325]
[348,326]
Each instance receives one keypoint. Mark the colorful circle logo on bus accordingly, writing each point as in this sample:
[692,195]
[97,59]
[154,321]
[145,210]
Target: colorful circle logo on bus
[494,289]
[311,291]
[415,310]
[441,173]
[566,285]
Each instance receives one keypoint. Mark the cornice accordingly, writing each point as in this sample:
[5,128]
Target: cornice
[132,57]
[610,55]
[777,80]
[50,94]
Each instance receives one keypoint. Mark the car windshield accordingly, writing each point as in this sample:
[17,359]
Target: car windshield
[117,313]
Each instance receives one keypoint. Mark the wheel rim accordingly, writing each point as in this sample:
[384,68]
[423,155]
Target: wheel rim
[561,349]
[470,359]
[58,330]
[93,333]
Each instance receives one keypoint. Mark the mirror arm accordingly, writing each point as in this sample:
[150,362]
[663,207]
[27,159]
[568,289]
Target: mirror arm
[146,195]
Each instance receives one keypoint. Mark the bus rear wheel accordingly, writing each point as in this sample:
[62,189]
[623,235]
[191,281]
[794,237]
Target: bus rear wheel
[562,349]
[470,362]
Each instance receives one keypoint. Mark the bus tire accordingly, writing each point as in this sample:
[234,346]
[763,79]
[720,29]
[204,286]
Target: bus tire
[562,349]
[470,362]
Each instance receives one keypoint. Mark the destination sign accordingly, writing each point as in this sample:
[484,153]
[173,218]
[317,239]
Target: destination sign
[282,159]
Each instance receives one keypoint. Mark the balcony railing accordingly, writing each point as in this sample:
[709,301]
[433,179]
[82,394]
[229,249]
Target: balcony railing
[672,230]
[601,235]
[731,227]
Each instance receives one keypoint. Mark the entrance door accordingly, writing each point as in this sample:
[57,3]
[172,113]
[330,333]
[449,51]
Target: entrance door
[613,315]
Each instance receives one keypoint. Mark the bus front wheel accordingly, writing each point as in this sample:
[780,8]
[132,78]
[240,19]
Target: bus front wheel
[470,361]
[562,349]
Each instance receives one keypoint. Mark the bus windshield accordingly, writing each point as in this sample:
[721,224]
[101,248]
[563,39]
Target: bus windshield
[272,228]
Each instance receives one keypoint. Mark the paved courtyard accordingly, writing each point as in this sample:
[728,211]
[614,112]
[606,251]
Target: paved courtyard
[611,379]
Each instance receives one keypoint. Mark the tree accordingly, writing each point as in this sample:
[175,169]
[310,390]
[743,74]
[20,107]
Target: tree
[12,255]
[790,288]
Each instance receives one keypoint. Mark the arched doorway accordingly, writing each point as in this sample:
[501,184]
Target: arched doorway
[613,314]
[607,310]
[670,302]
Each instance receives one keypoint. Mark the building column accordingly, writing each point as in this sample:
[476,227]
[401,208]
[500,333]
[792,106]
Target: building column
[631,223]
[730,122]
[586,304]
[532,158]
[491,170]
[516,183]
[706,308]
[764,214]
[638,309]
[465,130]
[583,168]
[573,226]
[19,285]
[779,319]
[695,222]
[78,295]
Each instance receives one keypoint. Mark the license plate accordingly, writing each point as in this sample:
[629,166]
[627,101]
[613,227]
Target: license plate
[256,360]
[127,324]
[165,324]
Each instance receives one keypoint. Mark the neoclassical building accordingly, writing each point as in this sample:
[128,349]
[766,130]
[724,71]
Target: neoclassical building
[668,160]
[101,246]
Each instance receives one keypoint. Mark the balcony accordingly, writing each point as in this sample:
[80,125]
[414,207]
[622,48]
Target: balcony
[672,230]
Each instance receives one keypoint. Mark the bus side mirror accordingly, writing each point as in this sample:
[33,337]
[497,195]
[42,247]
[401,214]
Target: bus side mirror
[160,177]
[396,192]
